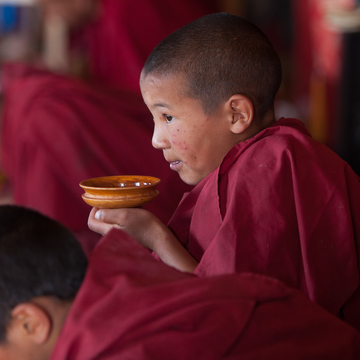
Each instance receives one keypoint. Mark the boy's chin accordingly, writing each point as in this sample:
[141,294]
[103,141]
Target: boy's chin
[190,179]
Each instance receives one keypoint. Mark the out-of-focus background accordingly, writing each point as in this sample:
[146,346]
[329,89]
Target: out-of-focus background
[318,41]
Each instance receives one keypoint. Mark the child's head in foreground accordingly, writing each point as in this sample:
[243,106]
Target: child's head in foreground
[42,267]
[209,85]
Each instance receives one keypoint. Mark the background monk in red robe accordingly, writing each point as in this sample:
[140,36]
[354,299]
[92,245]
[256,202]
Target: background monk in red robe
[268,198]
[127,305]
[58,131]
[116,36]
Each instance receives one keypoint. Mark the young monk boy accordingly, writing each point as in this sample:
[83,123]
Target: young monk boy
[131,306]
[268,198]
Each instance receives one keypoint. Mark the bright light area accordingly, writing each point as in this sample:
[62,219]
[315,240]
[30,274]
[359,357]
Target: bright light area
[18,2]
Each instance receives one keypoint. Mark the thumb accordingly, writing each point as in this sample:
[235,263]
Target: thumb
[110,216]
[99,222]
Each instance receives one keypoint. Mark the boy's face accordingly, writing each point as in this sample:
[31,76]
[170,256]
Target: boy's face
[193,143]
[10,351]
[7,353]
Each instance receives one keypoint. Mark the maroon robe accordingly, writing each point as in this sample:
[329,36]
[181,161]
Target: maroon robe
[283,205]
[131,306]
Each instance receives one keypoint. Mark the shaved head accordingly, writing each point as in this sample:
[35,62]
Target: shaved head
[220,55]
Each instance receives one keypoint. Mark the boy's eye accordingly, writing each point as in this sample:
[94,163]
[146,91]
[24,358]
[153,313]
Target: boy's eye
[168,118]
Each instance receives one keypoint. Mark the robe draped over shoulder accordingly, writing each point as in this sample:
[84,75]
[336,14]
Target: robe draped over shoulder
[284,205]
[131,306]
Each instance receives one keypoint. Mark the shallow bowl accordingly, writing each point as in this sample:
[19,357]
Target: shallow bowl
[122,191]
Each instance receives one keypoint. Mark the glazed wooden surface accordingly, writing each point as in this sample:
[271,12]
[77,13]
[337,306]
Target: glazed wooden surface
[120,191]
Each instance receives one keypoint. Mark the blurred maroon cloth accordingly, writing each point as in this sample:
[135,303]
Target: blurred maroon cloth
[131,306]
[283,205]
[59,131]
[119,42]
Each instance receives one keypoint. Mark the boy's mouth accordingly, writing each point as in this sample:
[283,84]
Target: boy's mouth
[174,164]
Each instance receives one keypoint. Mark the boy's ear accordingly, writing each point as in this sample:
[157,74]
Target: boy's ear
[241,110]
[32,322]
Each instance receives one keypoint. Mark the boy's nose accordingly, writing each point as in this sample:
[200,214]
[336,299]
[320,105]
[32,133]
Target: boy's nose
[159,140]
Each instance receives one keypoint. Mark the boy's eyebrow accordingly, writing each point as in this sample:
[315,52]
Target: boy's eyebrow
[161,105]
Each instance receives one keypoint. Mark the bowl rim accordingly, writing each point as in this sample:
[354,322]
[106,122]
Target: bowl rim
[154,182]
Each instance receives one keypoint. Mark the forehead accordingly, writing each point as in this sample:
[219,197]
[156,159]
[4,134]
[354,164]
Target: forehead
[168,91]
[154,83]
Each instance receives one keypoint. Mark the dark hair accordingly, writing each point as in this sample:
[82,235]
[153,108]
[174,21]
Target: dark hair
[220,55]
[38,257]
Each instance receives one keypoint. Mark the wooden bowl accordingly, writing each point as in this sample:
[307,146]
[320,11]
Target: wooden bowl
[123,191]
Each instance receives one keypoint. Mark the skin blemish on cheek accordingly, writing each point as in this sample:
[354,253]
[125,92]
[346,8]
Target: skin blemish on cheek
[180,144]
[174,140]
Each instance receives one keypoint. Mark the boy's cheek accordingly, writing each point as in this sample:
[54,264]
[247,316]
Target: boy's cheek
[183,146]
[179,143]
[5,354]
[176,144]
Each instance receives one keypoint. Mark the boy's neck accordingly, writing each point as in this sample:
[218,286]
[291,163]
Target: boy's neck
[260,124]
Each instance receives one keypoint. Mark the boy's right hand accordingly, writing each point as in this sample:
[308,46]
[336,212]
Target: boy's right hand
[148,230]
[139,223]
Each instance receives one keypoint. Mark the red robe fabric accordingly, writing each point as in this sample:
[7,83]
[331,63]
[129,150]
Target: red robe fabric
[61,131]
[131,306]
[283,205]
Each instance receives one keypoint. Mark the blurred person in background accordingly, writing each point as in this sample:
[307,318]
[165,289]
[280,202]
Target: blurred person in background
[78,112]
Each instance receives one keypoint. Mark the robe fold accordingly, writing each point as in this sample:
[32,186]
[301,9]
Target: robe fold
[284,205]
[131,306]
